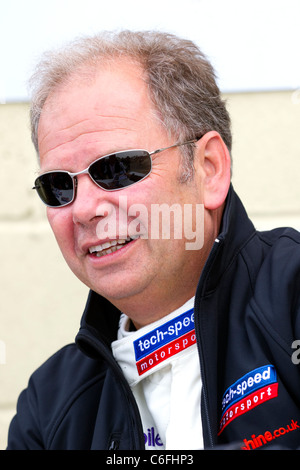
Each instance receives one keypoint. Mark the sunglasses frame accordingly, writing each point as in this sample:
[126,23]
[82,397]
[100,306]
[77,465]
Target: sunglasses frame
[86,171]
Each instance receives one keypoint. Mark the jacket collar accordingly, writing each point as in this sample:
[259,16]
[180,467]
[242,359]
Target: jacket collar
[236,229]
[101,318]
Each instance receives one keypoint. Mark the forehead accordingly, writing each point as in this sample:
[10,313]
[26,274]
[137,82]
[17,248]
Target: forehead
[113,97]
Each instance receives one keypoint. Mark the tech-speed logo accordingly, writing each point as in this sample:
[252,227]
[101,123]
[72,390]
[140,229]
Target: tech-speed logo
[251,390]
[165,341]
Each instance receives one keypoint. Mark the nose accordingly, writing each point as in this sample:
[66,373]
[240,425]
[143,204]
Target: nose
[87,199]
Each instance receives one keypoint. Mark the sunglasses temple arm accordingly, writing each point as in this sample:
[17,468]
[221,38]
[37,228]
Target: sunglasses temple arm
[172,146]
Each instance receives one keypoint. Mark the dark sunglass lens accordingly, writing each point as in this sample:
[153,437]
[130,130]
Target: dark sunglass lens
[55,189]
[122,169]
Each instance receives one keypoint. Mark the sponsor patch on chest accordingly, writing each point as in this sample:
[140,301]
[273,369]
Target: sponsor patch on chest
[164,341]
[251,390]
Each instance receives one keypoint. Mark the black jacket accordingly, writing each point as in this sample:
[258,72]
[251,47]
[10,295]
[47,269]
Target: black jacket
[247,315]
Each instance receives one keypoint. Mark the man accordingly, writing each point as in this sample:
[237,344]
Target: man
[181,346]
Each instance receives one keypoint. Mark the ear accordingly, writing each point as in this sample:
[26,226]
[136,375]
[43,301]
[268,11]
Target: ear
[216,169]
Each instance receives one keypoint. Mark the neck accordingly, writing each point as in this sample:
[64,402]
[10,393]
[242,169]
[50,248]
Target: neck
[152,315]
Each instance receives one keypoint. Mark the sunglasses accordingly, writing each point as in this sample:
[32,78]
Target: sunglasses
[111,172]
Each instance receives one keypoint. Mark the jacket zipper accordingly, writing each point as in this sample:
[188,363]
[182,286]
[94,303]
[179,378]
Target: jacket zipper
[114,443]
[198,335]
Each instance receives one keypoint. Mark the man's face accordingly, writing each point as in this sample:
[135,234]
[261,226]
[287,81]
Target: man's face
[88,119]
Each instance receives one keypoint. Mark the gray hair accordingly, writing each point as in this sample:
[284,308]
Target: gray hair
[180,79]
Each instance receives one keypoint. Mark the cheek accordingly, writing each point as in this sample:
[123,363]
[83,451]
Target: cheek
[63,228]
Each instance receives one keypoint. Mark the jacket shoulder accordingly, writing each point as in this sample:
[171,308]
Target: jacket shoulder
[278,235]
[62,365]
[276,294]
[282,257]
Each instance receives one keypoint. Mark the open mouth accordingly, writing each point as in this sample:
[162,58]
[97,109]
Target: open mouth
[110,246]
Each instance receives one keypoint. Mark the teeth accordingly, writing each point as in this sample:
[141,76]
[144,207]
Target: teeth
[108,247]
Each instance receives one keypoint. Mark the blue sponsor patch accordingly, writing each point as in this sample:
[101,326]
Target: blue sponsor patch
[250,382]
[164,334]
[253,389]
